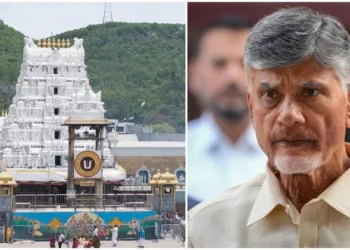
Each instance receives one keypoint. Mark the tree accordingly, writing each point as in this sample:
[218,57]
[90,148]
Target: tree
[163,128]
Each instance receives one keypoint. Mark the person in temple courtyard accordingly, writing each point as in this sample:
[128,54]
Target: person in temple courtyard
[221,144]
[297,63]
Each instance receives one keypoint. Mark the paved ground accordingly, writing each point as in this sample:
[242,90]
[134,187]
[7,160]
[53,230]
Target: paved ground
[167,243]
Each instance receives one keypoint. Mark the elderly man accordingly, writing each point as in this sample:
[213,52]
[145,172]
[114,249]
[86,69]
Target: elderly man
[298,67]
[222,147]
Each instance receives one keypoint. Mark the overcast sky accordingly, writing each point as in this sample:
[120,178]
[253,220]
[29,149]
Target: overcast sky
[39,20]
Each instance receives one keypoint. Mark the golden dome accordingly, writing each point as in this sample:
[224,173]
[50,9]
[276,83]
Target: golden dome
[168,176]
[39,43]
[6,178]
[58,43]
[48,44]
[63,43]
[157,175]
[67,43]
[53,43]
[43,43]
[155,178]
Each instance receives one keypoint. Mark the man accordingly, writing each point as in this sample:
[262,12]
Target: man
[96,242]
[176,219]
[142,237]
[95,232]
[222,147]
[114,231]
[61,239]
[183,229]
[298,68]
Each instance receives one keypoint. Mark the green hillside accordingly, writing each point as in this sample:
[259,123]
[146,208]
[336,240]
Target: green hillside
[130,63]
[11,48]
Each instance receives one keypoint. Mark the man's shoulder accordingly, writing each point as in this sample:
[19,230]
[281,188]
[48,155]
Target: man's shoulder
[195,126]
[243,193]
[229,212]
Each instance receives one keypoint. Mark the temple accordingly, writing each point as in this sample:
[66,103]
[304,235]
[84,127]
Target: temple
[52,88]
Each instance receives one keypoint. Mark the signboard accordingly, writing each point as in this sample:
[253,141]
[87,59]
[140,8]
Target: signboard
[87,183]
[88,164]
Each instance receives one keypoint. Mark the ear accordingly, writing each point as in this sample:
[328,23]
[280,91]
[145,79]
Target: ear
[347,121]
[193,82]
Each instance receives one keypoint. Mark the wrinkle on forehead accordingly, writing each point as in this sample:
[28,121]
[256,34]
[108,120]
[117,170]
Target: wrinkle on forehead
[309,71]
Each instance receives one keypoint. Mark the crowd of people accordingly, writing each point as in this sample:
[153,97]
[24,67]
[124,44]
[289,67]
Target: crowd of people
[94,241]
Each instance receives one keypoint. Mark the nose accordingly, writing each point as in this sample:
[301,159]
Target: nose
[234,72]
[290,113]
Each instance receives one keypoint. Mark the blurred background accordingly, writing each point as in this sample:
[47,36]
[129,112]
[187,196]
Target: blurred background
[229,153]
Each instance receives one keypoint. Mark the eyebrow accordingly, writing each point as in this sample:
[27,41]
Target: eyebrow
[267,85]
[310,84]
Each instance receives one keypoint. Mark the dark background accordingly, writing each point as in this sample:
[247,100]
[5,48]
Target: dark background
[200,14]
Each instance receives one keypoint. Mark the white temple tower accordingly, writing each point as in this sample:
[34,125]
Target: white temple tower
[52,85]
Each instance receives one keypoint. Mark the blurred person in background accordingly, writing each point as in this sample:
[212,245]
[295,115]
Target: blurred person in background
[53,241]
[222,146]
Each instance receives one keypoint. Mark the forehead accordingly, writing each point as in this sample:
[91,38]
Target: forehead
[305,72]
[224,41]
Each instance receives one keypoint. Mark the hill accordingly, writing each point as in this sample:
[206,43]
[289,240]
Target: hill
[11,51]
[130,63]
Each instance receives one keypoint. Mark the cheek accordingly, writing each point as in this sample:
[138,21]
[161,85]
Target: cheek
[262,124]
[333,129]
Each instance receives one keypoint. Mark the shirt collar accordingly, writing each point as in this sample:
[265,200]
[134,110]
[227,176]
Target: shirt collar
[334,195]
[213,139]
[272,195]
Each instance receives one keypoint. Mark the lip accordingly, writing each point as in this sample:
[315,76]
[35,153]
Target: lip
[294,143]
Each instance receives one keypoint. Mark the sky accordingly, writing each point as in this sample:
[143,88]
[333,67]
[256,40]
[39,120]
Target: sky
[40,20]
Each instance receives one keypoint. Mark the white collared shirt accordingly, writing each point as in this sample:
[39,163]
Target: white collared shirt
[258,214]
[214,164]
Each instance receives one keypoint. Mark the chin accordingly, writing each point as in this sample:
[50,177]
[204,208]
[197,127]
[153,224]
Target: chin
[287,164]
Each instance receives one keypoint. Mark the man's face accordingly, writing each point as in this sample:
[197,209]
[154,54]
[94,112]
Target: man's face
[217,75]
[299,114]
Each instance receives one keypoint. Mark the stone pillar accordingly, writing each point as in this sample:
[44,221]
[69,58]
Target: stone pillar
[97,129]
[99,192]
[99,182]
[70,177]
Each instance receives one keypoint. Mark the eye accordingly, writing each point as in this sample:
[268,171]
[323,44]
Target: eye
[310,92]
[269,94]
[219,63]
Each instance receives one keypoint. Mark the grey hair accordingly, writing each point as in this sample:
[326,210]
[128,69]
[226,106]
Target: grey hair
[290,36]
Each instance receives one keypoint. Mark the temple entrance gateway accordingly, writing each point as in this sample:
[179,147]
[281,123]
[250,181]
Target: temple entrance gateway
[85,167]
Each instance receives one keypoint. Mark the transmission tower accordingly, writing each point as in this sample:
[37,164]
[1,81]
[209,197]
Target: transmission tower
[107,15]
